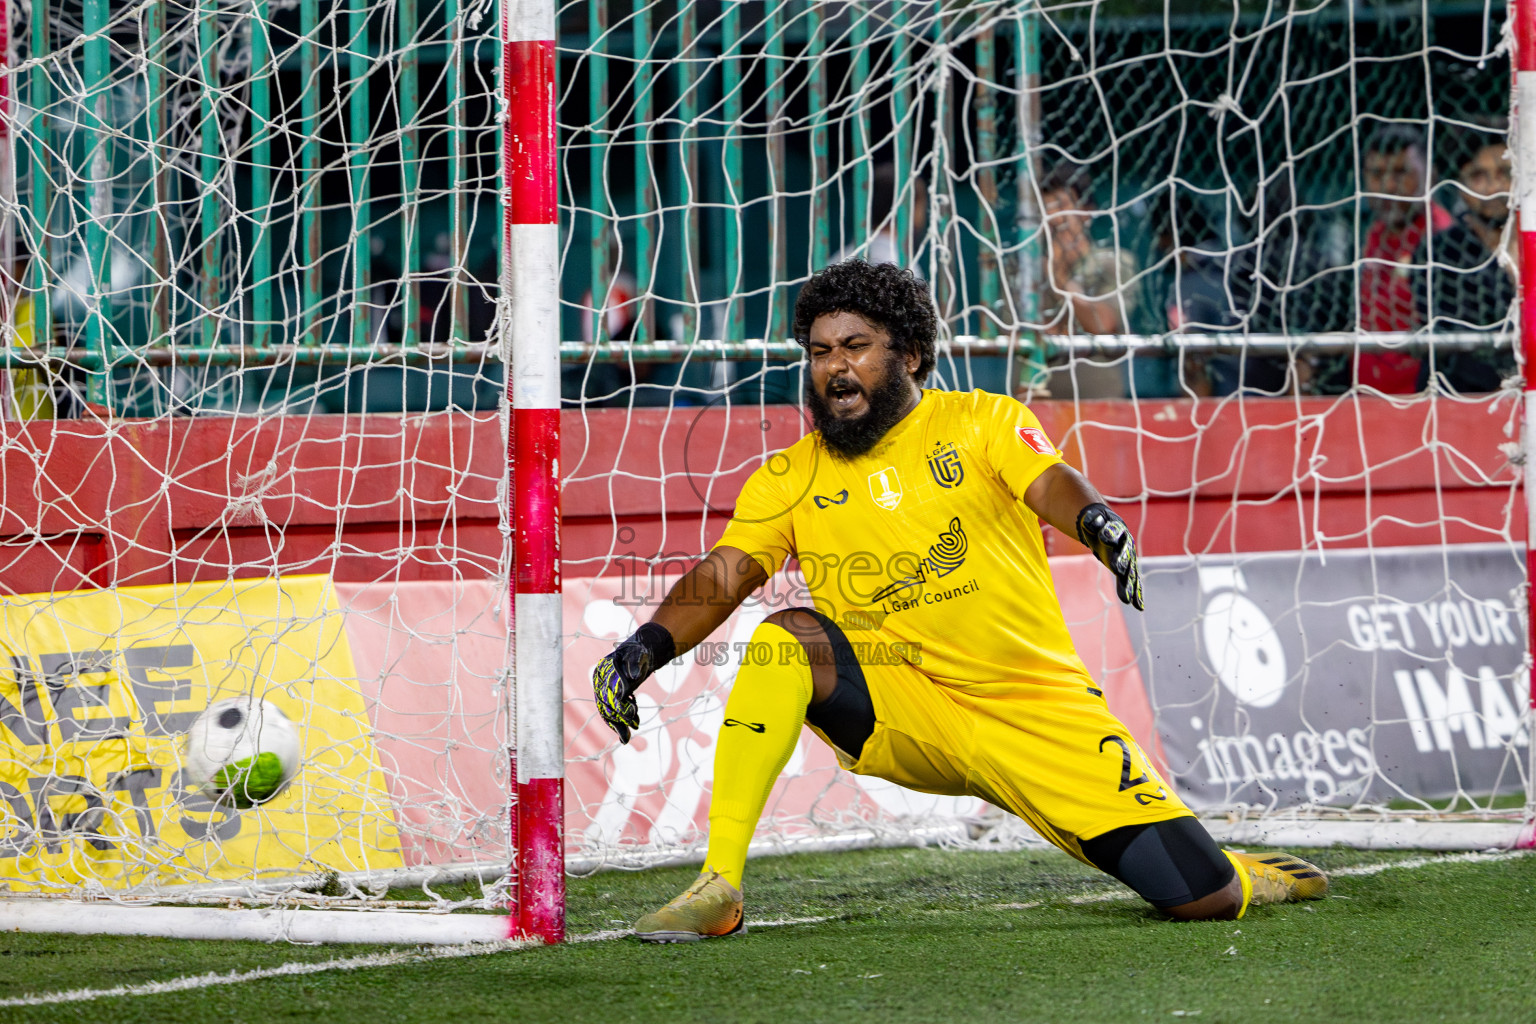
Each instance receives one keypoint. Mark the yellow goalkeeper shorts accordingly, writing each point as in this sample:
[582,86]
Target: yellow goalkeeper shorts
[1060,759]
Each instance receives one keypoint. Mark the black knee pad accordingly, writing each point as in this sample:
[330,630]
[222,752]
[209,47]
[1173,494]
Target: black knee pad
[847,717]
[1168,863]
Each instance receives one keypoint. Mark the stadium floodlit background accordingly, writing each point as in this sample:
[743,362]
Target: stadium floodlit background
[254,439]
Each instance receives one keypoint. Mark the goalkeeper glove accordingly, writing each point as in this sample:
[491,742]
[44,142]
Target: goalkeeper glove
[1110,540]
[620,674]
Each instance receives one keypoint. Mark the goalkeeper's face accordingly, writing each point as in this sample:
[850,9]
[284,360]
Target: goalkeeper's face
[860,385]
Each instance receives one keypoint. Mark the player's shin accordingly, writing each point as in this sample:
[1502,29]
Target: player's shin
[763,717]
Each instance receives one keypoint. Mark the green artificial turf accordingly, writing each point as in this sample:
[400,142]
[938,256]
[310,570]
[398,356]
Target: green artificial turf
[909,935]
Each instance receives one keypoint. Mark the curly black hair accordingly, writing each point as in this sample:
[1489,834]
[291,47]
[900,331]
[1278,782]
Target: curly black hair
[893,299]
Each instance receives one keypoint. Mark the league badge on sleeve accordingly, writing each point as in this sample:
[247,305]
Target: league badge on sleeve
[1036,439]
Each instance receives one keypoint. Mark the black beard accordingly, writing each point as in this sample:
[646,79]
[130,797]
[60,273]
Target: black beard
[850,438]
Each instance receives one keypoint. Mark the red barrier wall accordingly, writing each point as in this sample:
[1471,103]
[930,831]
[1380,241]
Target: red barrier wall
[87,504]
[1287,474]
[1206,477]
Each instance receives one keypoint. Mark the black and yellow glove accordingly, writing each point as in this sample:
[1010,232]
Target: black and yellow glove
[1110,540]
[620,674]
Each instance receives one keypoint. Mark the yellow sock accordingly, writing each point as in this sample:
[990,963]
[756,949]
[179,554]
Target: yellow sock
[1243,877]
[763,717]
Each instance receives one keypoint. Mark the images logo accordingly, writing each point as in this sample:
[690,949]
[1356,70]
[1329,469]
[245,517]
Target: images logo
[840,498]
[885,487]
[945,465]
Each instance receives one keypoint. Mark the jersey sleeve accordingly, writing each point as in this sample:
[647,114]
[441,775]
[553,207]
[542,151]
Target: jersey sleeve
[761,525]
[1015,444]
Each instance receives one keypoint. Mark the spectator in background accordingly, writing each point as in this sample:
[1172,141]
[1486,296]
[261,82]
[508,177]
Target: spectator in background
[1475,265]
[1289,277]
[1196,301]
[1090,289]
[1401,218]
[620,312]
[1198,298]
[601,383]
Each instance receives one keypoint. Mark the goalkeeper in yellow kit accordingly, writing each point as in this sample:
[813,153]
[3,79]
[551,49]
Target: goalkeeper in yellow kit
[914,517]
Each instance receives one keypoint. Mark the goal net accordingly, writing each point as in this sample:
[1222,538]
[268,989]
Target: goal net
[263,265]
[253,541]
[1253,268]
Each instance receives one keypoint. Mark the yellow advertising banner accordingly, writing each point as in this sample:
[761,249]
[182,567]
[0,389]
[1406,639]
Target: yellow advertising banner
[97,693]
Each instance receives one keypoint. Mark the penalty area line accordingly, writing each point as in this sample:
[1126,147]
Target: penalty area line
[366,961]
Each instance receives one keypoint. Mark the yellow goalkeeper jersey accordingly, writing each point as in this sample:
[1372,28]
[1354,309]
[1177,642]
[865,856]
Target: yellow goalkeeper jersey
[922,549]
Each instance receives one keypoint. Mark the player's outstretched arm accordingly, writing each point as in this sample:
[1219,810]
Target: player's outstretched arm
[1064,498]
[694,608]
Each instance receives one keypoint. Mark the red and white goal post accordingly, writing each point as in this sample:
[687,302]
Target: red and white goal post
[228,519]
[405,466]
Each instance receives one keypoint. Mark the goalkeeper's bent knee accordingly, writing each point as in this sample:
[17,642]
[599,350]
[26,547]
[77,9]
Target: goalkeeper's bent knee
[1169,863]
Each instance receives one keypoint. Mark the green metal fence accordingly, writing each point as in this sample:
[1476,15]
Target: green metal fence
[212,187]
[260,204]
[715,154]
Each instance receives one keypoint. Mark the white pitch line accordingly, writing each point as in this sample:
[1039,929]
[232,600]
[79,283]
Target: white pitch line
[783,922]
[1421,862]
[212,979]
[1108,896]
[351,963]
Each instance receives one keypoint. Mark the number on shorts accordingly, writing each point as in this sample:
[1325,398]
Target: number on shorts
[1126,782]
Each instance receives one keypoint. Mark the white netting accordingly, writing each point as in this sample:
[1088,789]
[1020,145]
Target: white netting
[232,224]
[1288,230]
[252,447]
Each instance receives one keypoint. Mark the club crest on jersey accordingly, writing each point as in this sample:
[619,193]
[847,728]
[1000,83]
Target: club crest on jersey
[1036,439]
[822,501]
[945,465]
[885,487]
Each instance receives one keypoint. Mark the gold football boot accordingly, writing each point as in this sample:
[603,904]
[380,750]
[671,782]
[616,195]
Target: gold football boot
[1278,877]
[710,908]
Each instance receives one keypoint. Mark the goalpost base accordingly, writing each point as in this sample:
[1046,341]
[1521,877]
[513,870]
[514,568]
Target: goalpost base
[270,925]
[1379,835]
